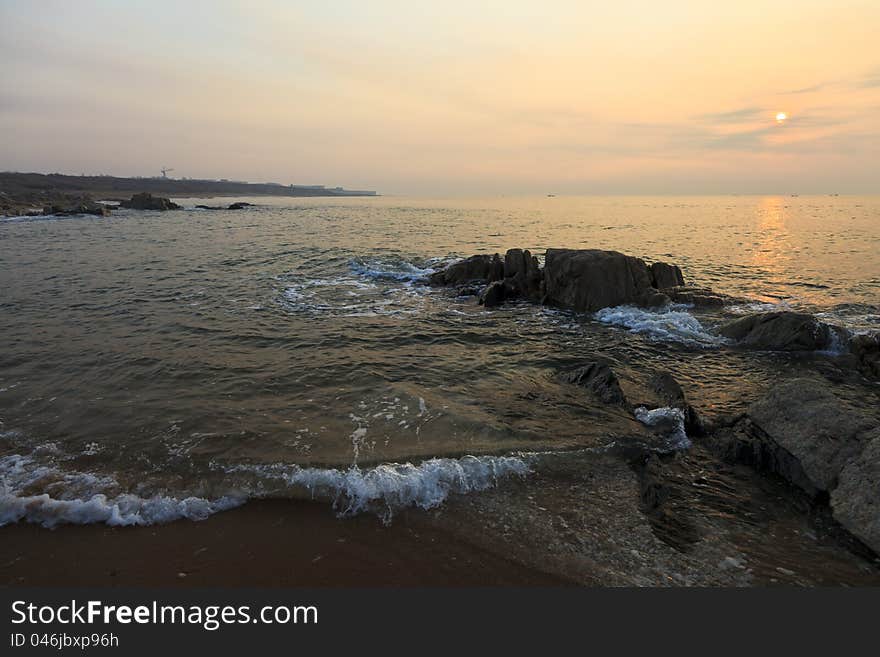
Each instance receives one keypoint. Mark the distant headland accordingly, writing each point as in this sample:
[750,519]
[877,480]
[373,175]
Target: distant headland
[20,192]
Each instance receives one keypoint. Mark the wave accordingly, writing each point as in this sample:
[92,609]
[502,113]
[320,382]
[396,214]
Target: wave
[670,324]
[669,419]
[85,498]
[393,269]
[60,504]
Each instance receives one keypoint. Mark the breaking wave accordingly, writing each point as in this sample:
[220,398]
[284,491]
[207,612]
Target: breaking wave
[47,496]
[668,324]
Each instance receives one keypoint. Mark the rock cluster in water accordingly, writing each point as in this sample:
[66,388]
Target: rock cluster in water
[146,201]
[799,431]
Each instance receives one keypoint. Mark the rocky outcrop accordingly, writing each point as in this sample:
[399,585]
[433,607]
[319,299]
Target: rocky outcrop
[664,385]
[146,201]
[818,442]
[599,379]
[665,275]
[85,206]
[866,349]
[697,296]
[587,280]
[494,294]
[478,268]
[522,274]
[781,331]
[239,205]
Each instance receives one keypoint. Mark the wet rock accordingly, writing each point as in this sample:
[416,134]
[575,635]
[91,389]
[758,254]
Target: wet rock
[146,201]
[697,296]
[82,207]
[819,429]
[589,279]
[818,442]
[240,205]
[671,394]
[209,207]
[494,294]
[866,349]
[664,275]
[523,274]
[483,268]
[598,378]
[855,502]
[781,331]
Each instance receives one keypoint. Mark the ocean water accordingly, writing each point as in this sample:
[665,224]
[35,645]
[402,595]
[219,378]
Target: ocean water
[171,365]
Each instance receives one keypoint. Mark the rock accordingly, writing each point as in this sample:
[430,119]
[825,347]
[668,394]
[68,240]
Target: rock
[665,275]
[697,296]
[587,280]
[855,503]
[85,206]
[782,331]
[494,294]
[209,207]
[866,349]
[816,427]
[484,268]
[240,205]
[146,201]
[523,274]
[598,378]
[670,393]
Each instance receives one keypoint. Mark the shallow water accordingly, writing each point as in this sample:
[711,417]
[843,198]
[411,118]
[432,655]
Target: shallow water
[154,356]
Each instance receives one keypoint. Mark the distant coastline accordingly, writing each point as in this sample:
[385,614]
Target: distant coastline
[21,191]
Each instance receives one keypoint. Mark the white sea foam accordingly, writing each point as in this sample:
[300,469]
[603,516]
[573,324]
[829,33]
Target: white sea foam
[84,498]
[671,418]
[390,269]
[670,323]
[43,494]
[391,486]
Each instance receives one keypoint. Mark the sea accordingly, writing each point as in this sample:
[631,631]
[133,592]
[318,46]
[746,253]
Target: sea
[157,366]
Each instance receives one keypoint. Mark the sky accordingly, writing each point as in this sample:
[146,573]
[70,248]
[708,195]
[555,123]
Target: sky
[450,98]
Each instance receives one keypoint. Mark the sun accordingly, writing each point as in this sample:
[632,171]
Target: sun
[781,117]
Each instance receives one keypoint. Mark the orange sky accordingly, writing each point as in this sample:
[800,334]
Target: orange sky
[442,98]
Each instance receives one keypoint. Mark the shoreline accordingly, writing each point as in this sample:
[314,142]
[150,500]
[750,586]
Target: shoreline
[265,543]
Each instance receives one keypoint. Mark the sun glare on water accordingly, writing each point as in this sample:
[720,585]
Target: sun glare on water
[782,117]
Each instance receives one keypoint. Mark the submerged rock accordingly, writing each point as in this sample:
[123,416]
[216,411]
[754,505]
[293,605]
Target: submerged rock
[587,280]
[598,378]
[484,268]
[146,201]
[781,331]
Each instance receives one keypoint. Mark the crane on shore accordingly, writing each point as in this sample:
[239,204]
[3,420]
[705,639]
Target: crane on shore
[165,171]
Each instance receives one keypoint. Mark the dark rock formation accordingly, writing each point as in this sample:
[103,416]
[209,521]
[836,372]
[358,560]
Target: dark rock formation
[523,274]
[665,275]
[671,394]
[781,331]
[598,378]
[866,349]
[482,268]
[240,205]
[85,206]
[146,201]
[588,280]
[818,442]
[494,294]
[697,296]
[209,207]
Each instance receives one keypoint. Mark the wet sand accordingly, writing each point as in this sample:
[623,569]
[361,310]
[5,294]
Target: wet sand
[270,543]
